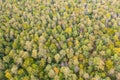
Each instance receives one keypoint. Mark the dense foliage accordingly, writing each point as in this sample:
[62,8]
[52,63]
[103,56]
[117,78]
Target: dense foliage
[59,39]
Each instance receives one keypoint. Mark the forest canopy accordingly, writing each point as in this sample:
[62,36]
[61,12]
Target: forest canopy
[59,39]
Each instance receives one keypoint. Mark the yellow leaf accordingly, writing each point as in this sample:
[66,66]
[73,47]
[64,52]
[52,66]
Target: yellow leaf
[56,70]
[81,66]
[81,79]
[75,57]
[66,7]
[117,50]
[20,71]
[108,15]
[68,30]
[117,43]
[70,44]
[116,38]
[109,64]
[111,46]
[38,1]
[8,75]
[81,57]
